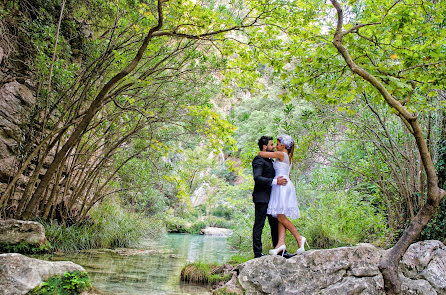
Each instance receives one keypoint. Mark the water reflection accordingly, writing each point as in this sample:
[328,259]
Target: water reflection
[154,269]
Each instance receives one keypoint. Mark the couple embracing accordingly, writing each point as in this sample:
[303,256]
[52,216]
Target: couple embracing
[274,195]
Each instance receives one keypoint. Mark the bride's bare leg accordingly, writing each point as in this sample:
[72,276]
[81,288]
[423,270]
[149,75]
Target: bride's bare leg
[283,220]
[281,240]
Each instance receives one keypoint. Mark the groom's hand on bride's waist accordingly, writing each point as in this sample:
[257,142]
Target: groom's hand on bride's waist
[281,180]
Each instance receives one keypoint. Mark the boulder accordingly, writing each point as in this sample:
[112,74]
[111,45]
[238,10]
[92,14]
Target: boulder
[15,231]
[19,274]
[215,231]
[345,270]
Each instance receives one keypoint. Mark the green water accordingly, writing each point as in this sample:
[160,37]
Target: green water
[154,268]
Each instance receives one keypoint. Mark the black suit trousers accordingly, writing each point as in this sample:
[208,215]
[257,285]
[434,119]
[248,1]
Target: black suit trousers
[259,223]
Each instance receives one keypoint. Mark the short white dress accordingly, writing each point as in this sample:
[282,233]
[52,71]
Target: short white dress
[283,197]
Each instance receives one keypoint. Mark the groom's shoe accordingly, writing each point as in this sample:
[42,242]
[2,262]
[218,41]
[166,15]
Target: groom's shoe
[288,255]
[259,255]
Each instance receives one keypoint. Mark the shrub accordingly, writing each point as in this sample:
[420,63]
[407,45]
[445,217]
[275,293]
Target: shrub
[222,211]
[341,220]
[436,227]
[175,224]
[25,248]
[219,222]
[196,227]
[68,284]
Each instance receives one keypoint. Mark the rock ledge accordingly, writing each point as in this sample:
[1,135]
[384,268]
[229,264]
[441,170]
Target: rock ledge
[345,270]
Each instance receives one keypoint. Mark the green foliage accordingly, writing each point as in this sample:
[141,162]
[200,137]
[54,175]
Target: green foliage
[67,284]
[25,248]
[436,227]
[110,226]
[337,219]
[222,211]
[224,291]
[241,238]
[238,259]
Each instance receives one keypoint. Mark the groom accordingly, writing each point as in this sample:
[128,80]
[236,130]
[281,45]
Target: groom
[263,172]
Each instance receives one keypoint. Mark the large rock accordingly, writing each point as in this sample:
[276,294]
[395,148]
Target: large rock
[19,274]
[215,231]
[15,231]
[346,270]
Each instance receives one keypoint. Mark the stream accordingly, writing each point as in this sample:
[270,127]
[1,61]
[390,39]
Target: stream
[154,268]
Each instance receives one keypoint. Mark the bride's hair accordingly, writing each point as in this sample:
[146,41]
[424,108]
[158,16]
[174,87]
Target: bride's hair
[291,153]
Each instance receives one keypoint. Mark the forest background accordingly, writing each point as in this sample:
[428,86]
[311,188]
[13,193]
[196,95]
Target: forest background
[147,116]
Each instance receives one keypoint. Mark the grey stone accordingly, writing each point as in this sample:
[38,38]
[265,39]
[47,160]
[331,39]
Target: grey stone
[416,287]
[345,270]
[417,257]
[435,271]
[19,274]
[15,100]
[216,231]
[15,231]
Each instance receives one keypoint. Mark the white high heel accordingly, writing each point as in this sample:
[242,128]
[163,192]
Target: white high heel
[277,250]
[303,241]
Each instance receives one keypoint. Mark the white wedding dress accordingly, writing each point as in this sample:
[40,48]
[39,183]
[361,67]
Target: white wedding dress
[283,197]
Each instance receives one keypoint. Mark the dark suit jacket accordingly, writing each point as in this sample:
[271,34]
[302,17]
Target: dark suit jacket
[263,172]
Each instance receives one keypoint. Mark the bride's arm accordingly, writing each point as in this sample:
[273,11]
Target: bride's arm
[275,155]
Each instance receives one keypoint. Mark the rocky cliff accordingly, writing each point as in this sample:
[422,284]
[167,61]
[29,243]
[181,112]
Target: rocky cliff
[16,104]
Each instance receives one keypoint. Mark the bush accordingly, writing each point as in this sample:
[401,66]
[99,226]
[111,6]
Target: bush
[222,211]
[25,248]
[196,227]
[436,227]
[219,222]
[68,284]
[341,220]
[176,224]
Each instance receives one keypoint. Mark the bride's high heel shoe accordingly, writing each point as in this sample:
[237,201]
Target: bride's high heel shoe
[277,250]
[303,241]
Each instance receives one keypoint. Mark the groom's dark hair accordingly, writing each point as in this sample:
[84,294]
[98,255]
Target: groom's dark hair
[264,141]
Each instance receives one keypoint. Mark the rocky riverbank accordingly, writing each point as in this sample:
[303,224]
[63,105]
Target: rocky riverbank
[345,270]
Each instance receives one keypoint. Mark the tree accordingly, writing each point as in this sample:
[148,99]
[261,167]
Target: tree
[389,262]
[395,50]
[157,44]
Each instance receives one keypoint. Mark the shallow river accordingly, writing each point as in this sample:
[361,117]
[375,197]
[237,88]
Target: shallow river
[154,268]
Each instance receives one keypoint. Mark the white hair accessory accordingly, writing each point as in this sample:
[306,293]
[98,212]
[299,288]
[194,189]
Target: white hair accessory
[286,140]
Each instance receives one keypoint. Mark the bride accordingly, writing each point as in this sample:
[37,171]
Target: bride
[283,202]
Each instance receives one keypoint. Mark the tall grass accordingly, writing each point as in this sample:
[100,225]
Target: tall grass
[110,226]
[203,273]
